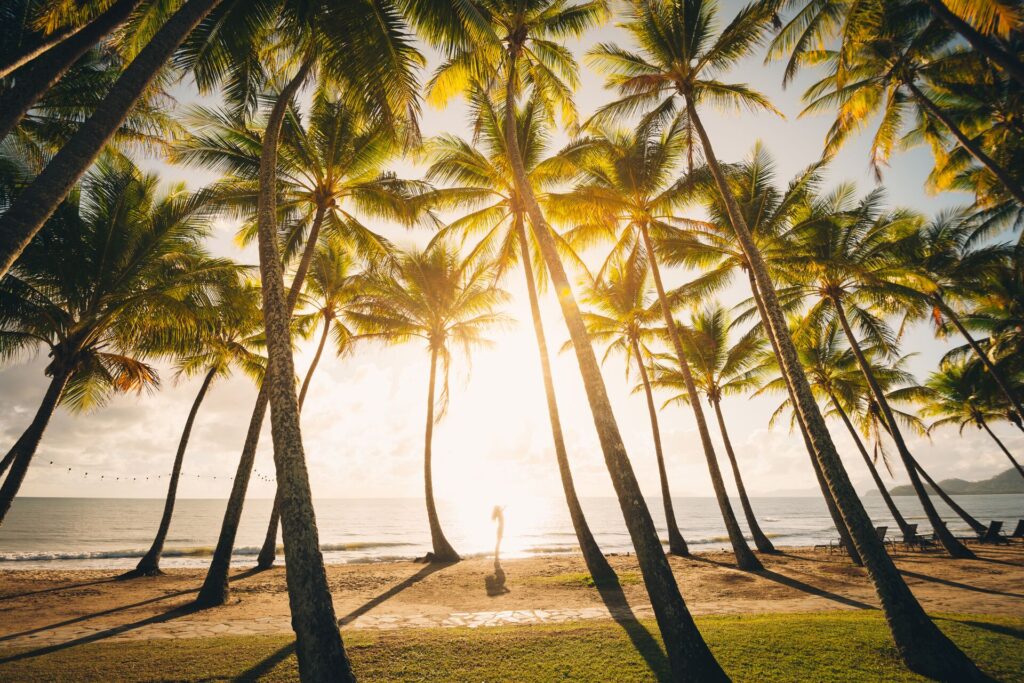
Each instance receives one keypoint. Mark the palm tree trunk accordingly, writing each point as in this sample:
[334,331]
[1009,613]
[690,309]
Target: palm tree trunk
[318,646]
[149,565]
[40,199]
[676,543]
[745,559]
[215,587]
[984,425]
[984,45]
[20,455]
[963,514]
[35,79]
[997,375]
[40,47]
[600,570]
[688,654]
[760,539]
[830,503]
[6,462]
[443,550]
[268,553]
[921,645]
[954,547]
[975,150]
[879,484]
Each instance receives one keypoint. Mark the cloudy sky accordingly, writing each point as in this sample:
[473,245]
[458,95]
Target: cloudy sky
[364,418]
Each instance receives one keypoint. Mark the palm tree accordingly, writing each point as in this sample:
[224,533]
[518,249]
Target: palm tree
[622,317]
[511,44]
[952,269]
[838,382]
[711,247]
[333,285]
[108,283]
[435,296]
[484,186]
[886,70]
[720,370]
[680,57]
[331,171]
[225,339]
[627,187]
[848,262]
[957,397]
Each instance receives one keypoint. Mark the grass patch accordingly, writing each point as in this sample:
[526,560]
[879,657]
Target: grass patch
[844,646]
[584,579]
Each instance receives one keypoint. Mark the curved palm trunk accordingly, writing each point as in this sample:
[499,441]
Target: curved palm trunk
[996,374]
[20,455]
[879,484]
[972,147]
[149,565]
[268,553]
[38,48]
[984,45]
[36,78]
[6,462]
[676,544]
[40,199]
[963,514]
[745,559]
[215,587]
[954,547]
[688,654]
[830,502]
[318,646]
[760,539]
[443,550]
[984,425]
[922,646]
[600,570]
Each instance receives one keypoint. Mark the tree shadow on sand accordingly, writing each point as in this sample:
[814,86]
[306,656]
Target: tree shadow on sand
[267,665]
[957,584]
[56,589]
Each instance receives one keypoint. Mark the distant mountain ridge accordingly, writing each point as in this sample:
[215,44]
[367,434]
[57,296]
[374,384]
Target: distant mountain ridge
[1009,481]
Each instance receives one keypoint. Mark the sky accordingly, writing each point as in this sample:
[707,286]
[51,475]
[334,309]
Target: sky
[364,418]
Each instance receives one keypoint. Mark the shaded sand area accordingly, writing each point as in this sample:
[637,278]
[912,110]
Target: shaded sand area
[46,608]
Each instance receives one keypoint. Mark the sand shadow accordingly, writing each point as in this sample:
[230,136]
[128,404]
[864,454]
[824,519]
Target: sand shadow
[796,584]
[645,643]
[957,584]
[494,583]
[87,617]
[100,635]
[264,667]
[57,589]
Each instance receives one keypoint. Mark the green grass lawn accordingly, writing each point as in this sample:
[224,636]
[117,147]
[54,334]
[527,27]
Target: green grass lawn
[850,646]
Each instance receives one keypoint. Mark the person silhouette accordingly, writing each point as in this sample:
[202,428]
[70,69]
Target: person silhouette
[495,584]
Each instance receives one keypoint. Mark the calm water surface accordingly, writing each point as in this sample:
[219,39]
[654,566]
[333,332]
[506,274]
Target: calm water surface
[105,532]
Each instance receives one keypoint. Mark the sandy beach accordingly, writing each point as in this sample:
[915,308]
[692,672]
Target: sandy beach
[40,608]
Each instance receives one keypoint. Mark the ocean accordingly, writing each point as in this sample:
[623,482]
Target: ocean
[78,533]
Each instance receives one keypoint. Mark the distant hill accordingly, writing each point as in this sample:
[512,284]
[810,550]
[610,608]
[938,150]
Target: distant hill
[1009,481]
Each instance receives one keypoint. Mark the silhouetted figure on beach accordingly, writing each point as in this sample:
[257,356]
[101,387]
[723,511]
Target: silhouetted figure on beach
[495,584]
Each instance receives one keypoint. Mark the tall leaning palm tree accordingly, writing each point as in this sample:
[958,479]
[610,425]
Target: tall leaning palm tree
[957,396]
[720,370]
[226,337]
[445,301]
[622,317]
[679,60]
[480,182]
[108,283]
[512,45]
[334,284]
[627,186]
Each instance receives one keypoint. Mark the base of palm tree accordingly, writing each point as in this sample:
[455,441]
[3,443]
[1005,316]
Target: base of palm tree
[139,572]
[263,565]
[439,558]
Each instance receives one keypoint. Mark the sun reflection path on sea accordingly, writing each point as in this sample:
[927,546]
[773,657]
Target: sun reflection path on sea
[529,523]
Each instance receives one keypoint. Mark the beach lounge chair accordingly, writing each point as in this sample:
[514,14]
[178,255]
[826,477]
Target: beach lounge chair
[838,545]
[912,539]
[992,535]
[1018,532]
